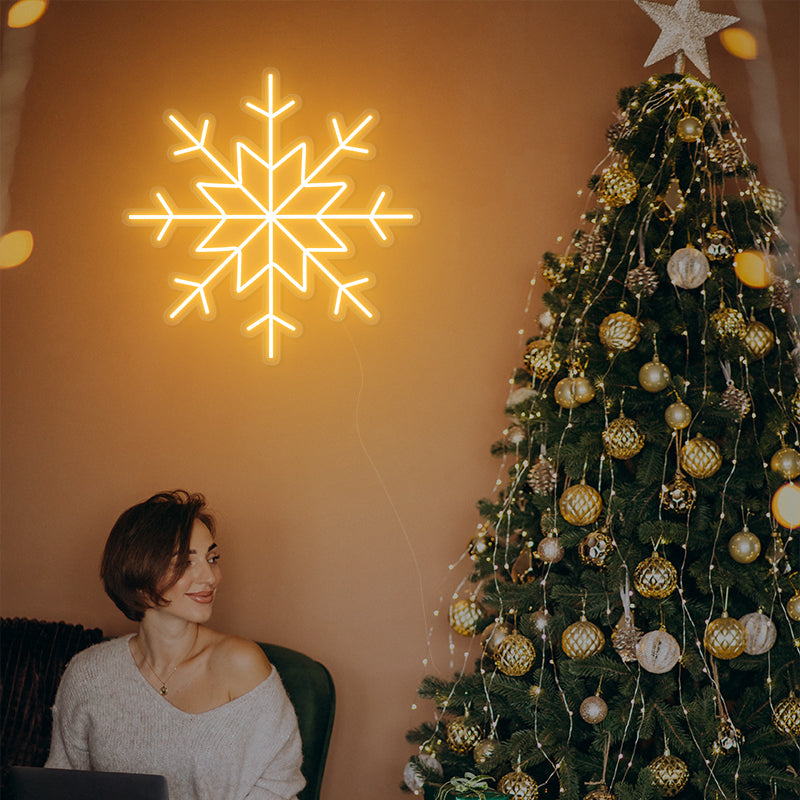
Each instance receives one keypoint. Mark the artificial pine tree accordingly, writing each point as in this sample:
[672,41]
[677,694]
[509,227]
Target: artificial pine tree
[633,605]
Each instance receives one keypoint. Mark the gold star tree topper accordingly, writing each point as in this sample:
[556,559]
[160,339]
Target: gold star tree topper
[684,28]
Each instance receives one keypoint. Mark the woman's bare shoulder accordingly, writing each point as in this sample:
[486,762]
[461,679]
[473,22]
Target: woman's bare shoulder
[240,663]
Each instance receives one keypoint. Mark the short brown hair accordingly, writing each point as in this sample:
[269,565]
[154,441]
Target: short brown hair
[139,551]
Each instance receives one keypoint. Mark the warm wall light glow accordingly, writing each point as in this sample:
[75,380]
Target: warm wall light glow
[15,247]
[272,217]
[25,12]
[753,269]
[740,43]
[786,505]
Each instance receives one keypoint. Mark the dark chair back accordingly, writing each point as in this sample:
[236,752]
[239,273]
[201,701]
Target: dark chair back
[310,688]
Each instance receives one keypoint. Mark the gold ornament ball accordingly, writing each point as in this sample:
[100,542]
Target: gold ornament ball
[753,269]
[658,652]
[580,504]
[728,325]
[655,577]
[654,376]
[539,360]
[718,245]
[484,750]
[564,394]
[480,545]
[786,716]
[462,734]
[582,639]
[617,187]
[786,505]
[690,129]
[758,339]
[514,655]
[620,332]
[550,550]
[688,268]
[601,793]
[678,415]
[582,389]
[793,607]
[464,615]
[760,631]
[700,457]
[678,496]
[725,637]
[622,438]
[744,546]
[786,462]
[596,549]
[593,709]
[773,200]
[670,774]
[518,786]
[493,634]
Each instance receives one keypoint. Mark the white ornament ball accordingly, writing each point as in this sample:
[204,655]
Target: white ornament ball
[658,652]
[761,633]
[550,550]
[688,268]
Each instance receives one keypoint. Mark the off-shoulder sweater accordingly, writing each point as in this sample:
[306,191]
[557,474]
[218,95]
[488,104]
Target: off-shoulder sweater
[108,718]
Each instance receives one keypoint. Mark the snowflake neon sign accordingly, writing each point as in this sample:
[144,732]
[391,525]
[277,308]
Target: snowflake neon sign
[273,219]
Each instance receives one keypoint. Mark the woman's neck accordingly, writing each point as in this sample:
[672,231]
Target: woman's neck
[167,643]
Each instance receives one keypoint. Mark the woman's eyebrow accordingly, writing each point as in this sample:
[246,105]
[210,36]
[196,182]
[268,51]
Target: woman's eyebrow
[194,552]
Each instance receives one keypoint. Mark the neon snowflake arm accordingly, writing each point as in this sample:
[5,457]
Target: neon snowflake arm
[271,217]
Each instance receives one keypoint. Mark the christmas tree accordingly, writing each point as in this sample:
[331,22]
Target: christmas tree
[632,601]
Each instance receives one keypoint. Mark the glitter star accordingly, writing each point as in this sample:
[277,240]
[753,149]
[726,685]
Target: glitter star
[684,28]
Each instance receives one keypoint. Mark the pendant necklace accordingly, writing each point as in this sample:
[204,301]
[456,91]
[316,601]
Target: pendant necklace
[162,690]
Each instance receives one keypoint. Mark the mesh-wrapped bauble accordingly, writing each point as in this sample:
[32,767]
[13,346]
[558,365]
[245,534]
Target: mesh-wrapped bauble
[658,652]
[464,615]
[625,637]
[678,495]
[793,606]
[593,709]
[539,358]
[773,201]
[718,246]
[617,187]
[700,457]
[602,792]
[518,785]
[642,280]
[581,504]
[729,738]
[620,332]
[725,637]
[688,268]
[736,400]
[542,476]
[786,716]
[514,655]
[622,438]
[655,577]
[728,325]
[780,294]
[462,734]
[670,774]
[727,154]
[760,631]
[582,639]
[596,548]
[758,339]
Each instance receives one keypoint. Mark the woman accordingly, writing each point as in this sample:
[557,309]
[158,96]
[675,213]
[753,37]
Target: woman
[202,708]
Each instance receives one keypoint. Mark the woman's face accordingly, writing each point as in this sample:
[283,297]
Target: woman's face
[192,596]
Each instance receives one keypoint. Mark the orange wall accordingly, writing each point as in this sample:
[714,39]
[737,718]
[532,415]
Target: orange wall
[345,478]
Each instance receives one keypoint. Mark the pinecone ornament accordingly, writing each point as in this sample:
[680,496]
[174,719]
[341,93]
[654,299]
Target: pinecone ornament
[736,400]
[592,247]
[727,154]
[625,637]
[542,476]
[642,280]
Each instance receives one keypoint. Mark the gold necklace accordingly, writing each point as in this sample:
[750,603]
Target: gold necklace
[163,691]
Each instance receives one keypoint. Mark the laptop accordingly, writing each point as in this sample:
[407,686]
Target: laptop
[37,783]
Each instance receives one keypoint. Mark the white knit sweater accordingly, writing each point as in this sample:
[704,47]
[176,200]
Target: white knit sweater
[108,718]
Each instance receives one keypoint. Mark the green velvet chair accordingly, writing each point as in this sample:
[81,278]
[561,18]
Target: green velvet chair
[310,688]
